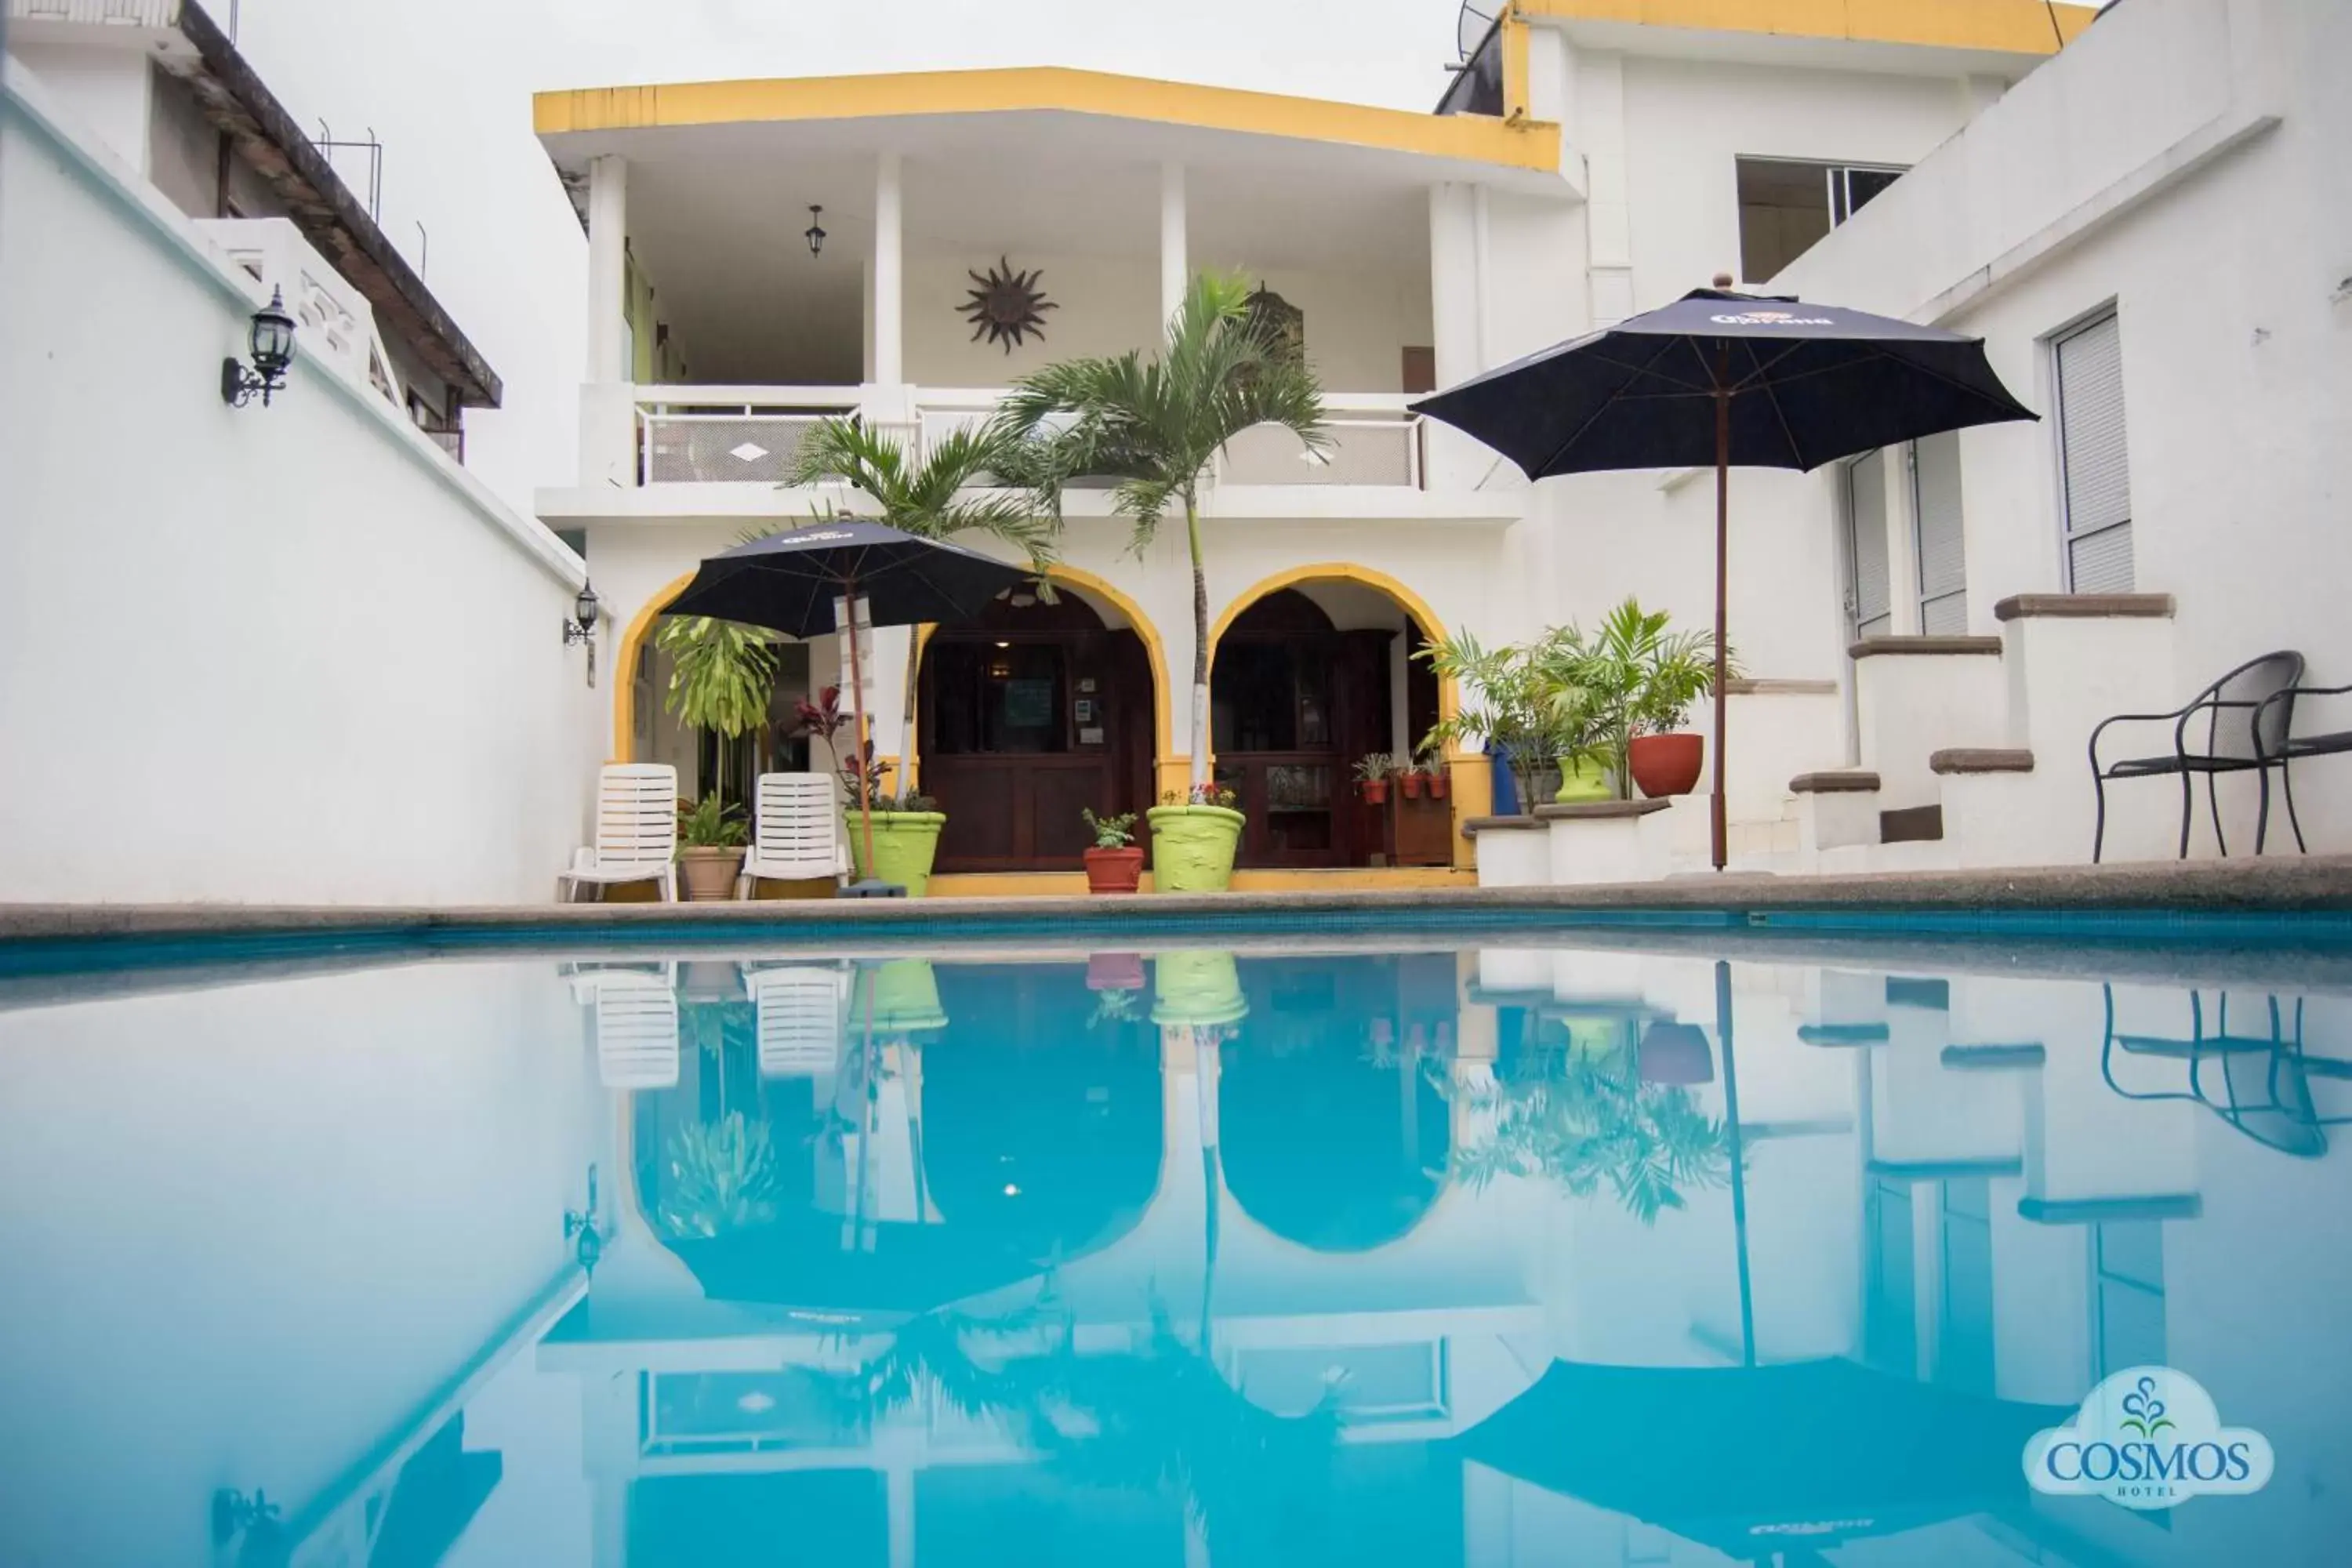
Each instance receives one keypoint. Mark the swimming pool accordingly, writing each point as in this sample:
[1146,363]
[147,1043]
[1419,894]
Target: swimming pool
[1600,1243]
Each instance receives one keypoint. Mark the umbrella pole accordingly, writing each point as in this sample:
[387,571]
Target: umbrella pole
[857,707]
[1738,1173]
[1716,811]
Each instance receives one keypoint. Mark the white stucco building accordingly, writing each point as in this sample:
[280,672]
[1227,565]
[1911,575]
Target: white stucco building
[1584,168]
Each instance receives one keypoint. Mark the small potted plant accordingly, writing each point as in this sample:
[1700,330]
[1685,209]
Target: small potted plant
[1408,778]
[1373,771]
[712,841]
[1194,835]
[1115,863]
[1435,779]
[1661,674]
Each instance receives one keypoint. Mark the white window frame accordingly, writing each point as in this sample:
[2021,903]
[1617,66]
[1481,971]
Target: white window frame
[2090,321]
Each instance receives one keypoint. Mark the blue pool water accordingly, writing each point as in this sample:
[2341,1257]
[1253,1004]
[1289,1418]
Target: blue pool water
[1588,1248]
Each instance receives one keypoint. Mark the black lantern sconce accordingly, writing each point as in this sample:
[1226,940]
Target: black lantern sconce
[271,340]
[581,626]
[581,1228]
[815,232]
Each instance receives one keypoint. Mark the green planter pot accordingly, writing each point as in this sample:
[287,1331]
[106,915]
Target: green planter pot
[904,844]
[905,991]
[1584,781]
[1192,848]
[1195,988]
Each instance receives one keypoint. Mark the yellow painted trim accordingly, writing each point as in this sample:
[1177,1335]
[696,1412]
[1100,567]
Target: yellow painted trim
[1474,797]
[1525,144]
[1068,884]
[2001,27]
[624,667]
[1519,101]
[1154,649]
[1449,699]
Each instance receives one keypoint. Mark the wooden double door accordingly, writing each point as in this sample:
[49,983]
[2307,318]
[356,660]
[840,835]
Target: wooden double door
[1028,716]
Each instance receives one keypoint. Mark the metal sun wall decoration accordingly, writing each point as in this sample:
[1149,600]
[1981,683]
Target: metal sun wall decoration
[1008,307]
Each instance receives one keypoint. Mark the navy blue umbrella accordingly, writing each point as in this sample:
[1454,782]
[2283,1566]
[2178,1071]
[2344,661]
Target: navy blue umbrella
[1725,379]
[788,583]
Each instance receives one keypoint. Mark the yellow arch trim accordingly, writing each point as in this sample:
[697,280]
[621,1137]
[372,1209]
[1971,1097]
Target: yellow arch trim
[2002,26]
[1162,709]
[1449,699]
[624,665]
[1520,144]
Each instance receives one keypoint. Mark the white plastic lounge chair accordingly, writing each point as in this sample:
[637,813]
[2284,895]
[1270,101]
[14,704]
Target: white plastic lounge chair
[636,1029]
[796,833]
[800,1019]
[637,831]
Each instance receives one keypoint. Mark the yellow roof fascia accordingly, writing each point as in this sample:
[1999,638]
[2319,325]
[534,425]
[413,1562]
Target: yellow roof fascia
[1999,26]
[1519,143]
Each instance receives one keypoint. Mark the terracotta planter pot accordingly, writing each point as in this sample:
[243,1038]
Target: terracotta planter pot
[1115,972]
[1666,764]
[1440,786]
[1376,791]
[707,875]
[1411,782]
[1114,870]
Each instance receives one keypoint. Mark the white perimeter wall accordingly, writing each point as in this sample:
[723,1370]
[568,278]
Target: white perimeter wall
[263,654]
[259,1230]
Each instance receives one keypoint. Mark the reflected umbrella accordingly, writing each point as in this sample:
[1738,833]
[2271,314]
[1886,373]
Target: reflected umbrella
[1751,1461]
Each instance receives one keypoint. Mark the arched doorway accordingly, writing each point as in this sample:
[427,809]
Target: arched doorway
[1026,714]
[1308,678]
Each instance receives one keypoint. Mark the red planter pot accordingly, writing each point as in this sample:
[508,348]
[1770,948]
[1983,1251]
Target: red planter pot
[1440,786]
[1411,782]
[1666,764]
[1114,870]
[1115,972]
[1376,791]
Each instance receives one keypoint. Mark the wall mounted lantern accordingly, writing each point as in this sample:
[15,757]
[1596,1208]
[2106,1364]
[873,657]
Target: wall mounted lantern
[582,626]
[271,340]
[815,232]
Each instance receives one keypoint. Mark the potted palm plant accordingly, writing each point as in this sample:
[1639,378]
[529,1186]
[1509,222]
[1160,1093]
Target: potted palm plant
[1155,427]
[1115,863]
[711,842]
[1510,702]
[1655,675]
[1373,771]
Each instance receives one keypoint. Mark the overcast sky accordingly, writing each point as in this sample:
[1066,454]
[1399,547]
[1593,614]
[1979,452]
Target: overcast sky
[447,85]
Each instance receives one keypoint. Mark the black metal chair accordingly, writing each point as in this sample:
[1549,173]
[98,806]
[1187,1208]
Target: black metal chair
[2245,731]
[2290,746]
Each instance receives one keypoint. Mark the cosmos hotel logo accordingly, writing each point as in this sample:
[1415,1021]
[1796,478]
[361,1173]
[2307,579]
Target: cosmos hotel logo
[2147,1437]
[1772,319]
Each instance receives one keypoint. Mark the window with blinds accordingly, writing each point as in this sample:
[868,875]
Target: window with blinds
[2094,470]
[1936,536]
[1869,597]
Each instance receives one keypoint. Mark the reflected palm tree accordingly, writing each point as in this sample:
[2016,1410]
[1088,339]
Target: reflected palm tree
[719,1176]
[1585,1119]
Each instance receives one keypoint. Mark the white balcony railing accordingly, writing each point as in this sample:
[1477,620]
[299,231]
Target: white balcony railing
[704,434]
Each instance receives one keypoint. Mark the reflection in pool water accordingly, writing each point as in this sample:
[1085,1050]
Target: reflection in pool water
[1514,1256]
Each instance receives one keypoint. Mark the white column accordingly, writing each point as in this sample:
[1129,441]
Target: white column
[889,276]
[1453,461]
[1175,265]
[608,226]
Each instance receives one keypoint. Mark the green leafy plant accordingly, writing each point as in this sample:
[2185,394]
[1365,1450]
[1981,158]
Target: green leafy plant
[722,676]
[711,822]
[1155,425]
[1522,700]
[1374,766]
[717,1177]
[1110,832]
[1114,1008]
[1586,1118]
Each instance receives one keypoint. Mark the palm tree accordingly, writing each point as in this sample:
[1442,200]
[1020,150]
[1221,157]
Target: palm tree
[1155,426]
[934,496]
